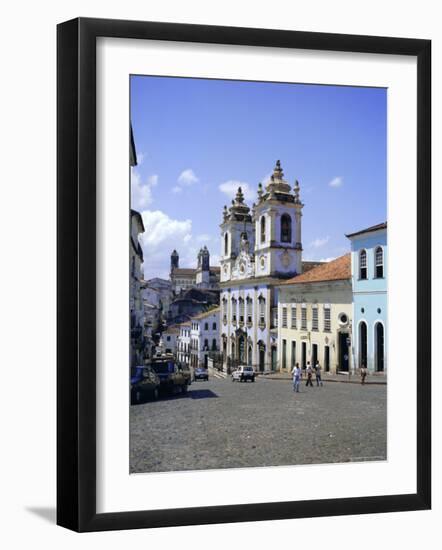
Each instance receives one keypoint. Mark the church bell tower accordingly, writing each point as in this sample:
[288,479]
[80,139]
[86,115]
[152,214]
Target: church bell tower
[277,215]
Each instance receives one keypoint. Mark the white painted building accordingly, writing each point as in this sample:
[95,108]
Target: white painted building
[204,337]
[169,339]
[260,248]
[183,343]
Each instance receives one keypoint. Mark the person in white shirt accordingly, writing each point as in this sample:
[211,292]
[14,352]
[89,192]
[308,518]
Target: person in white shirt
[296,372]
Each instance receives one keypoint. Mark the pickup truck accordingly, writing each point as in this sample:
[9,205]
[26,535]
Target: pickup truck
[173,378]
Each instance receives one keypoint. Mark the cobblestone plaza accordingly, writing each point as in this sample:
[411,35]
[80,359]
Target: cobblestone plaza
[220,424]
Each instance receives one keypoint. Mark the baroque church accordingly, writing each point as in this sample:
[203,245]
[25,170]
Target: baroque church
[204,276]
[261,247]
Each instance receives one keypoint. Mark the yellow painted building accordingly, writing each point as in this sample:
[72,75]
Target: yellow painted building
[314,318]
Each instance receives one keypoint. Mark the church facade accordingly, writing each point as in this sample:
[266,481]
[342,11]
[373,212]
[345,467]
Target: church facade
[204,276]
[261,247]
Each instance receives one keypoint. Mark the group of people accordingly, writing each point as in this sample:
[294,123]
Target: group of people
[297,375]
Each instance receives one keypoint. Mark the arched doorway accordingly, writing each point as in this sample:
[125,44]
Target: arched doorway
[363,344]
[241,349]
[379,343]
[261,356]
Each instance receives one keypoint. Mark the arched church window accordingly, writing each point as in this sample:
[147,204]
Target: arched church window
[379,259]
[363,264]
[226,244]
[286,228]
[263,229]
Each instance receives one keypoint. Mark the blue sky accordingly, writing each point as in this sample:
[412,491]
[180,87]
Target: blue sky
[198,139]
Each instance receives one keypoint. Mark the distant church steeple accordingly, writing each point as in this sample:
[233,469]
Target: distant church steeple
[174,260]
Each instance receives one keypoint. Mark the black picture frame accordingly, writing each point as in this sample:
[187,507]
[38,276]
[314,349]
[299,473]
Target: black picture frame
[76,274]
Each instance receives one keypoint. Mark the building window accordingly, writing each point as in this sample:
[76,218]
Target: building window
[284,317]
[214,344]
[206,344]
[206,326]
[226,244]
[168,338]
[233,310]
[363,264]
[241,310]
[262,311]
[315,323]
[263,229]
[293,322]
[213,326]
[249,310]
[379,262]
[286,228]
[224,310]
[304,317]
[327,319]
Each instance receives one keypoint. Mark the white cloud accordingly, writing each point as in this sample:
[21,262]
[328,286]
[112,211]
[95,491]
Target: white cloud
[230,188]
[317,243]
[141,193]
[140,158]
[187,177]
[163,234]
[327,259]
[177,189]
[336,182]
[152,180]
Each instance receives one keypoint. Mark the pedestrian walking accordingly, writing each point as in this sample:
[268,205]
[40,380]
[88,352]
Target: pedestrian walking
[296,377]
[309,372]
[363,373]
[318,374]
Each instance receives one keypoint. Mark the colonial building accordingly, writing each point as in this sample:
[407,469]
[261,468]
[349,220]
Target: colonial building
[204,276]
[163,289]
[204,337]
[369,277]
[315,311]
[260,247]
[183,344]
[169,339]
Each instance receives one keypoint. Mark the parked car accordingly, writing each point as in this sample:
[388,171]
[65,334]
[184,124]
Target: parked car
[173,378]
[243,373]
[201,374]
[144,382]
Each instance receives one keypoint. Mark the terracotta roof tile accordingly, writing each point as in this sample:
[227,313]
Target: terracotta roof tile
[183,271]
[335,270]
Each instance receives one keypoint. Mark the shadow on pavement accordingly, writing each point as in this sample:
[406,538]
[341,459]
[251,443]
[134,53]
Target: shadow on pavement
[201,394]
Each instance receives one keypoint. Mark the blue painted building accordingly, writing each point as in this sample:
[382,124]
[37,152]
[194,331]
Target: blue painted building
[369,267]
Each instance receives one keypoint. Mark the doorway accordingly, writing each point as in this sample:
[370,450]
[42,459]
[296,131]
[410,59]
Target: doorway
[327,358]
[293,354]
[379,332]
[274,357]
[363,344]
[343,351]
[262,357]
[304,355]
[314,354]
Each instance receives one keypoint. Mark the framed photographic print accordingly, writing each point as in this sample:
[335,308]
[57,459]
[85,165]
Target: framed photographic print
[243,274]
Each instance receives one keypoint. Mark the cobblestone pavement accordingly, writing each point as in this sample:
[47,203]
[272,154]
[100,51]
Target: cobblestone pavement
[221,424]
